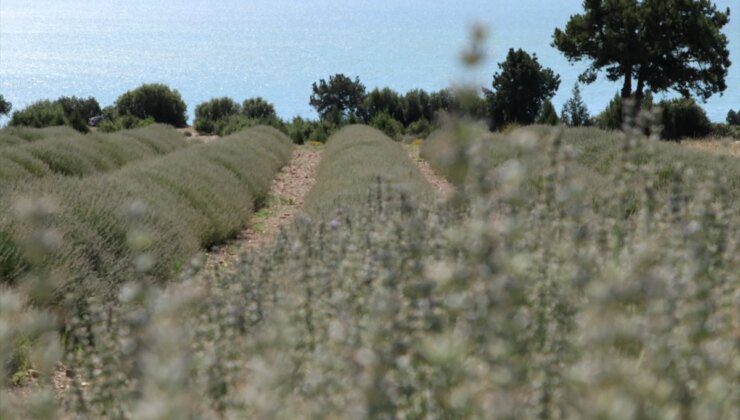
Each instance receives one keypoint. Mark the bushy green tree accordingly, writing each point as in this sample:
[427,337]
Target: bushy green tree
[39,114]
[442,101]
[258,109]
[156,101]
[733,118]
[207,113]
[70,111]
[548,115]
[684,118]
[300,129]
[416,107]
[520,89]
[339,98]
[5,106]
[575,112]
[384,100]
[659,44]
[86,108]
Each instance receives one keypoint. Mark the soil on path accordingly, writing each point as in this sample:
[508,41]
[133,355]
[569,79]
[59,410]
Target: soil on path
[443,188]
[284,201]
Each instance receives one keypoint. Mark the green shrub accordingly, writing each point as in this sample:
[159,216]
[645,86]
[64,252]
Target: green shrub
[421,128]
[208,113]
[300,130]
[70,111]
[611,117]
[39,114]
[322,131]
[387,124]
[232,124]
[684,118]
[156,101]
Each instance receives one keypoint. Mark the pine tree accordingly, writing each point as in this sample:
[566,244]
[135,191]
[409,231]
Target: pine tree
[575,113]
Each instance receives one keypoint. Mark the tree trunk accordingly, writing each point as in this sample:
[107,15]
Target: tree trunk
[627,87]
[639,91]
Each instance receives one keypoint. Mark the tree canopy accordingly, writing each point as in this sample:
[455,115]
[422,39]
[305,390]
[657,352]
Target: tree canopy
[156,101]
[548,115]
[659,44]
[338,98]
[258,108]
[520,89]
[575,113]
[5,106]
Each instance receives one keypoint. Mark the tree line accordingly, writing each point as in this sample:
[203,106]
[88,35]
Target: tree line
[652,46]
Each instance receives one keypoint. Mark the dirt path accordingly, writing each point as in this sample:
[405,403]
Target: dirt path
[443,188]
[285,199]
[191,134]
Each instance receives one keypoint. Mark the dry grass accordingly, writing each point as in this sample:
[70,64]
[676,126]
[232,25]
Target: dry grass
[726,146]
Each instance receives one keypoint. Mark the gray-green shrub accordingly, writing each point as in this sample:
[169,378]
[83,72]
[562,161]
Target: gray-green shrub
[356,158]
[65,152]
[185,201]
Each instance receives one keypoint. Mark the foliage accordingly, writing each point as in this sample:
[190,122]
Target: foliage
[388,125]
[259,109]
[386,101]
[83,108]
[5,106]
[725,130]
[123,122]
[662,44]
[355,160]
[547,114]
[533,293]
[421,128]
[185,201]
[303,131]
[417,106]
[207,113]
[443,101]
[65,152]
[13,136]
[39,114]
[575,112]
[683,118]
[156,101]
[733,118]
[339,98]
[611,117]
[520,89]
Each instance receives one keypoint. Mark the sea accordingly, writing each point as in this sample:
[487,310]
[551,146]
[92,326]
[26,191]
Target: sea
[277,48]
